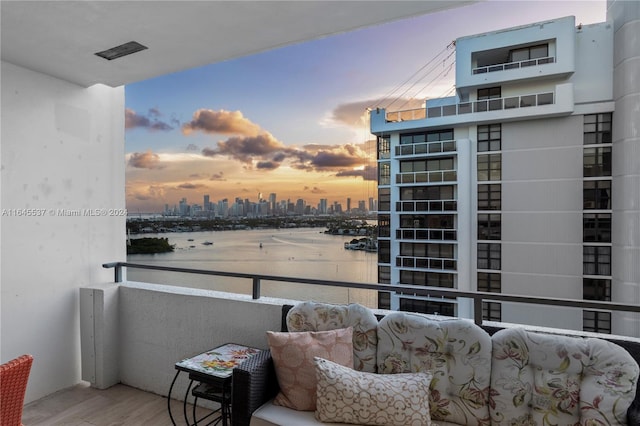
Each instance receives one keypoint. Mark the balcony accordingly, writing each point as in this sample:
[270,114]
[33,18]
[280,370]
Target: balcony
[133,333]
[514,65]
[549,103]
[434,176]
[485,105]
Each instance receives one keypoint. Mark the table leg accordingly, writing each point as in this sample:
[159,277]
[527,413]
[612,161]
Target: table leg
[184,406]
[173,422]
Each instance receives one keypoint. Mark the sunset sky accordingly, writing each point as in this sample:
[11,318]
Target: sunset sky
[293,120]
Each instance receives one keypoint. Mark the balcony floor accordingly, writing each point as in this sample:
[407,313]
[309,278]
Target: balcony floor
[82,405]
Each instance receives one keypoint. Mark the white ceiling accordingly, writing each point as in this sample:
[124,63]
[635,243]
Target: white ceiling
[60,38]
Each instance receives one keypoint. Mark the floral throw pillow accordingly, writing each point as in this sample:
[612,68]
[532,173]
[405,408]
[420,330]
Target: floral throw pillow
[345,395]
[293,355]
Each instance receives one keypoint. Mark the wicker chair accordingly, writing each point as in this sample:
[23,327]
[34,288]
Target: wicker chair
[13,386]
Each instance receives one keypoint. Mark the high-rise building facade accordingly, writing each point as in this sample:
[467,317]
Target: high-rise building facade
[526,182]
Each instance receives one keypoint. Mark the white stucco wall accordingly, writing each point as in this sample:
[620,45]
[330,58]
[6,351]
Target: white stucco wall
[62,147]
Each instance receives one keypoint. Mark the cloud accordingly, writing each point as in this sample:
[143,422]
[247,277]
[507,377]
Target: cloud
[245,149]
[189,185]
[368,173]
[145,160]
[316,190]
[134,120]
[356,114]
[192,147]
[217,176]
[151,192]
[222,122]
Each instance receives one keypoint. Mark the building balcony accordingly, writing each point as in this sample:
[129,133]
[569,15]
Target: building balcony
[133,333]
[558,102]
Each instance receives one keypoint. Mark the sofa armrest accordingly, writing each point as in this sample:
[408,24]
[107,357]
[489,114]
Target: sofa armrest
[254,382]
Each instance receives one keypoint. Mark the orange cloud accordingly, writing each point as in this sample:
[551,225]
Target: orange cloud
[224,122]
[145,160]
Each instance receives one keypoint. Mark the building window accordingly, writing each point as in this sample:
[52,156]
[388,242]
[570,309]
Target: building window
[384,225]
[596,260]
[384,300]
[384,147]
[596,194]
[489,93]
[440,192]
[432,221]
[489,256]
[430,279]
[384,251]
[490,196]
[489,226]
[489,137]
[596,321]
[426,165]
[596,289]
[384,274]
[436,251]
[433,136]
[384,199]
[597,162]
[597,129]
[490,283]
[489,167]
[596,227]
[384,173]
[527,53]
[427,307]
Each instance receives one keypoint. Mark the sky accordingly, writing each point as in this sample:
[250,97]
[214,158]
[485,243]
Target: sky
[293,120]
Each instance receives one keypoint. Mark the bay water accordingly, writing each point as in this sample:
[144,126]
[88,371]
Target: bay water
[294,252]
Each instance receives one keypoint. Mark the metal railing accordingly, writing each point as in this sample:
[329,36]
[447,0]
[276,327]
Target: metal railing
[478,297]
[484,105]
[514,65]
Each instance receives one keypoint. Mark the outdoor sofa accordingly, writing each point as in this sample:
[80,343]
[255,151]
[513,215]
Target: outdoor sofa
[451,372]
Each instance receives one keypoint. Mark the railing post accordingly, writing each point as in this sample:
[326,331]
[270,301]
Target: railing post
[117,273]
[256,288]
[477,310]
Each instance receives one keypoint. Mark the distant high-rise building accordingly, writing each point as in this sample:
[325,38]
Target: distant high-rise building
[273,203]
[507,186]
[207,203]
[348,204]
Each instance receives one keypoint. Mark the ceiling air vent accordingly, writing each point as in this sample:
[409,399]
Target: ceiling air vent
[122,50]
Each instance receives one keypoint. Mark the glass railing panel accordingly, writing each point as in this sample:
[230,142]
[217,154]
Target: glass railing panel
[448,110]
[527,101]
[464,108]
[495,104]
[434,112]
[510,103]
[545,99]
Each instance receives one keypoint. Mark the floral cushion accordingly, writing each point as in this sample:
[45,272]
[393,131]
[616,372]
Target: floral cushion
[313,316]
[349,396]
[456,352]
[540,379]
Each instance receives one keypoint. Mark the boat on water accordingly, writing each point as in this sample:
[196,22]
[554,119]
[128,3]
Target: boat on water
[207,243]
[366,244]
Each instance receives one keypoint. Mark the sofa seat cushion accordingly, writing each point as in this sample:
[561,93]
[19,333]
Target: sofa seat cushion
[270,414]
[457,353]
[313,316]
[552,379]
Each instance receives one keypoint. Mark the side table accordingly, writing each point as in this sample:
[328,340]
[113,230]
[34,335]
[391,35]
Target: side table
[212,369]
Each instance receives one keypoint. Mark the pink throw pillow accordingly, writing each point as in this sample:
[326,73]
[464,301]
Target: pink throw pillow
[293,355]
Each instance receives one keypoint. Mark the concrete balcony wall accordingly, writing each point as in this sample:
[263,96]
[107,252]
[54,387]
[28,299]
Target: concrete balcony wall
[159,325]
[62,151]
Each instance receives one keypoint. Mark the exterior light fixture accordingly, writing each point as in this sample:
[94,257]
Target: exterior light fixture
[122,50]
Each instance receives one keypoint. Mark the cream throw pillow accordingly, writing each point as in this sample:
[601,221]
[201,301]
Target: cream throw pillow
[345,395]
[293,355]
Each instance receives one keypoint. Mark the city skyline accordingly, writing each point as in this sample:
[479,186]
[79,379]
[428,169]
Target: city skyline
[261,206]
[295,118]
